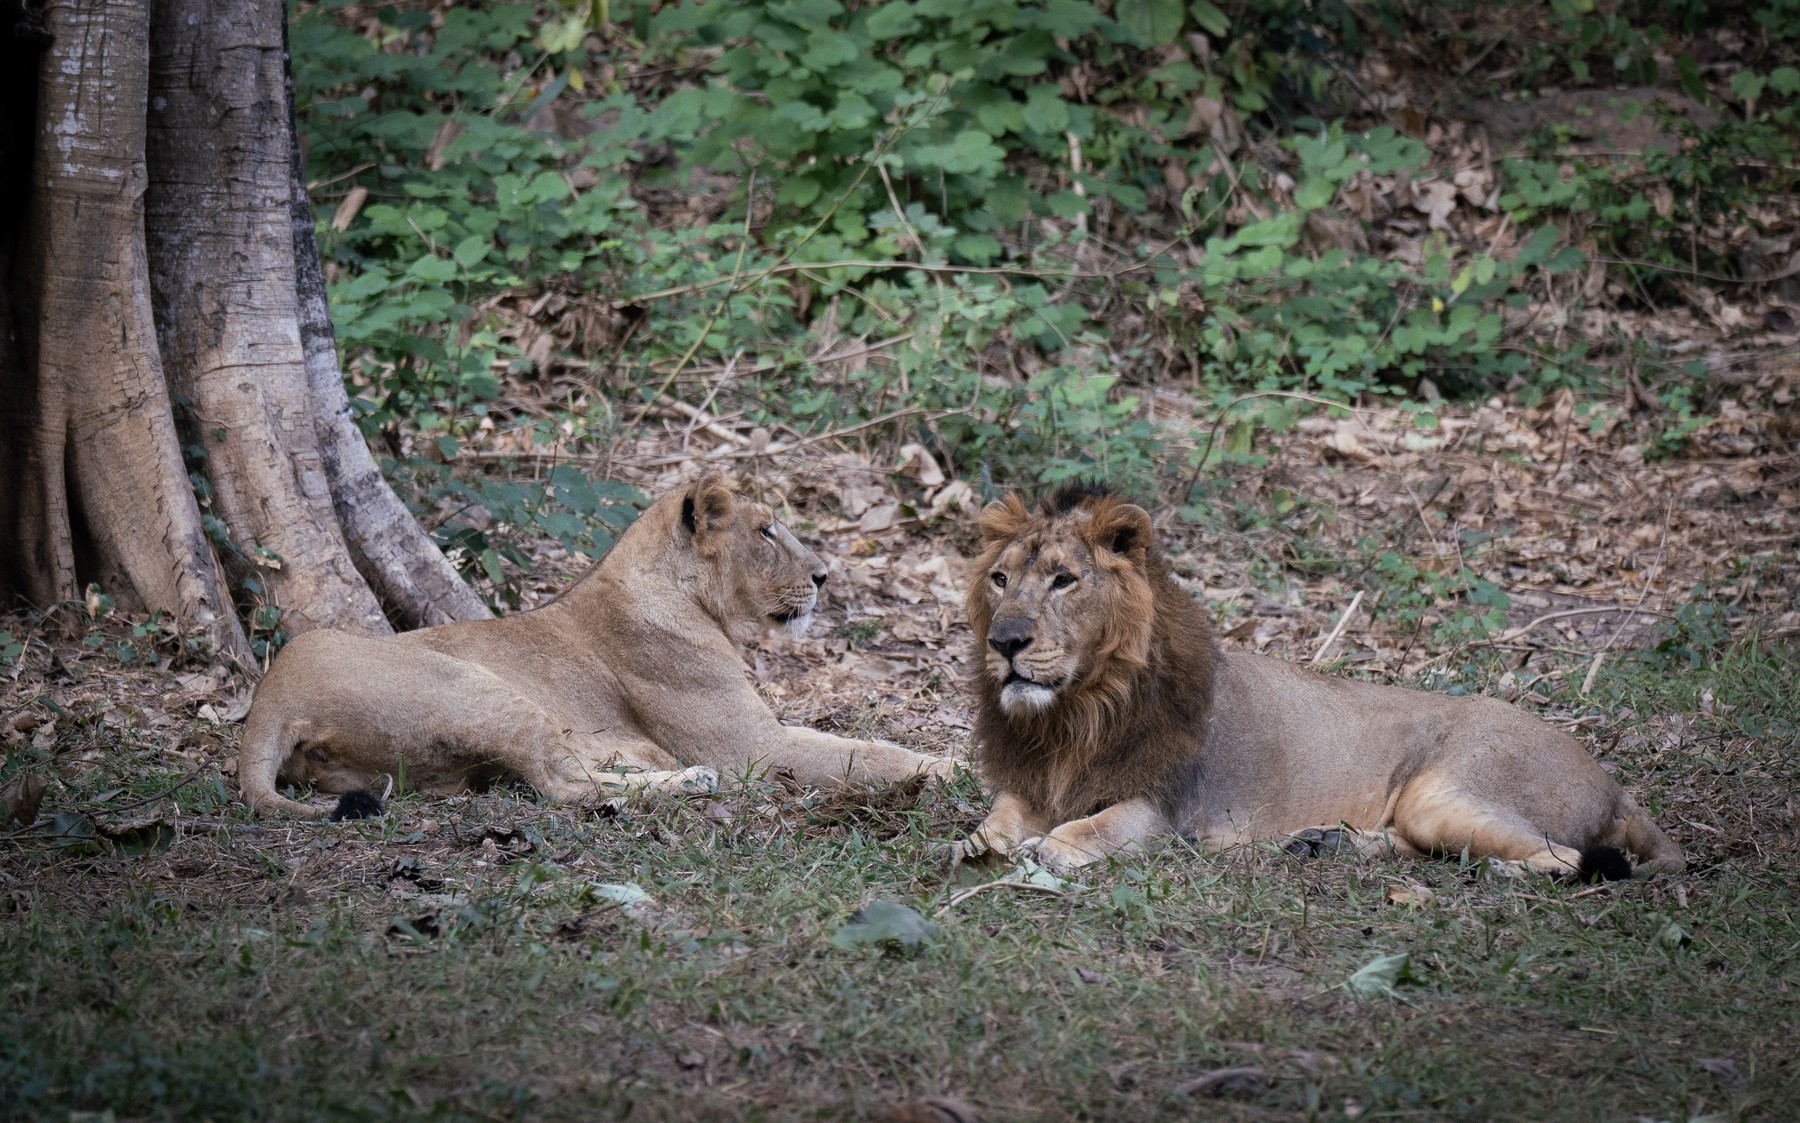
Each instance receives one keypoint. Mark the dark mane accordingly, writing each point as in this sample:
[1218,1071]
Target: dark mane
[1073,494]
[1136,726]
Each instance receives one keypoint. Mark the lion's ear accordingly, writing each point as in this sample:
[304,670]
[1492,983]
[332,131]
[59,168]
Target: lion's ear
[1002,519]
[1123,528]
[707,508]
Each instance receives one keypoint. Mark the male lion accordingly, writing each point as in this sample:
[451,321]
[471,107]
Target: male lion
[1105,717]
[636,666]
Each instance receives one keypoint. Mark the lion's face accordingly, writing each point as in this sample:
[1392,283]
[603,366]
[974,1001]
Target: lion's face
[1060,600]
[761,572]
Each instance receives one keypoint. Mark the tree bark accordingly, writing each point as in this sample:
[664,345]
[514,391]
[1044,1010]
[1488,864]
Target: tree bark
[220,230]
[412,578]
[102,467]
[161,282]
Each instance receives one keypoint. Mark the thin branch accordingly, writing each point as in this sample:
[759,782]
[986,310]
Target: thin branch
[1337,631]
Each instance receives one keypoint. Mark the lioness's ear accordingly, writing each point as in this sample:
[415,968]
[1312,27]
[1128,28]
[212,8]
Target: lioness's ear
[1002,519]
[1123,528]
[708,506]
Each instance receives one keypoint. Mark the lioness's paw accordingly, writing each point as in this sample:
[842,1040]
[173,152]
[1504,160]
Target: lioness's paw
[944,768]
[967,850]
[697,780]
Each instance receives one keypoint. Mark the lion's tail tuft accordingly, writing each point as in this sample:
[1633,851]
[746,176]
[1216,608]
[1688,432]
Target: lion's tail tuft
[357,805]
[1603,863]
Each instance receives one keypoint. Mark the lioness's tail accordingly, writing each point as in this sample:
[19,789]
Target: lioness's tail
[268,739]
[1652,850]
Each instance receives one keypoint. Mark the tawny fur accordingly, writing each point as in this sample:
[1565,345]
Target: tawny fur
[633,677]
[1146,730]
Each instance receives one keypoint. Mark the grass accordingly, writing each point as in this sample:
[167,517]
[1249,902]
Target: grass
[461,959]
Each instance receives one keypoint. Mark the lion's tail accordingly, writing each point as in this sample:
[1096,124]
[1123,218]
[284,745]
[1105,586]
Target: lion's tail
[1652,851]
[268,739]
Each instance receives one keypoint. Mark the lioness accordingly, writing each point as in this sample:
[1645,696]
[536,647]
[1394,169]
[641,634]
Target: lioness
[1105,717]
[637,666]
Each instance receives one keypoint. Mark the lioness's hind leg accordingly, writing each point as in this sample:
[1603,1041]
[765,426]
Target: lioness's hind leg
[1439,819]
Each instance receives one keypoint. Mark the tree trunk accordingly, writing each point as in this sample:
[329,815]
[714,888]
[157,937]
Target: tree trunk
[161,283]
[389,546]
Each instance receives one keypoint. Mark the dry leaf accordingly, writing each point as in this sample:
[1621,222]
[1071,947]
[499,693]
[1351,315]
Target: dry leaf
[917,461]
[23,796]
[1409,893]
[879,518]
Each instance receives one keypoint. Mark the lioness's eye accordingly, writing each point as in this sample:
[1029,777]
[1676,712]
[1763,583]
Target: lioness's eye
[1063,581]
[769,532]
[999,580]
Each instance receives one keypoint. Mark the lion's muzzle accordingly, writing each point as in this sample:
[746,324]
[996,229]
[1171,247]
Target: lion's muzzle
[1009,636]
[1020,691]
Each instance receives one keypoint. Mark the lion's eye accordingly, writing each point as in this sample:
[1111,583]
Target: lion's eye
[999,580]
[769,532]
[1063,581]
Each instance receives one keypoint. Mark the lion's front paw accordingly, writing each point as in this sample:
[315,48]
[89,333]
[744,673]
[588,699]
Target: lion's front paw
[1061,856]
[985,844]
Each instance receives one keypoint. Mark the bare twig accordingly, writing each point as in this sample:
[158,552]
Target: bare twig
[164,794]
[962,895]
[1655,568]
[1593,671]
[1338,630]
[697,416]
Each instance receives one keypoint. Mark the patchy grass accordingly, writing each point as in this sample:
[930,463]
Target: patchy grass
[464,958]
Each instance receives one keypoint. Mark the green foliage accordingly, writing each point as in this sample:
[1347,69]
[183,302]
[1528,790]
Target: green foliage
[473,196]
[1458,606]
[1663,215]
[922,173]
[10,649]
[491,519]
[960,106]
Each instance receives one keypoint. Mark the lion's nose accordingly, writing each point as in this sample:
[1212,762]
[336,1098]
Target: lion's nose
[818,578]
[1009,637]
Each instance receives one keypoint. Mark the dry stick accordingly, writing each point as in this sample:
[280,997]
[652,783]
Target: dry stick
[698,417]
[1219,419]
[164,794]
[962,895]
[899,212]
[737,271]
[1339,629]
[1515,633]
[1593,672]
[718,383]
[1504,638]
[1655,568]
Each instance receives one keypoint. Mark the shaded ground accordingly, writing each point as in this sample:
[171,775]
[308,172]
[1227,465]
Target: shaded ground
[168,957]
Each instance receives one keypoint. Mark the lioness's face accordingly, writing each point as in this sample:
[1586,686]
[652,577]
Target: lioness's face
[1058,598]
[780,578]
[765,572]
